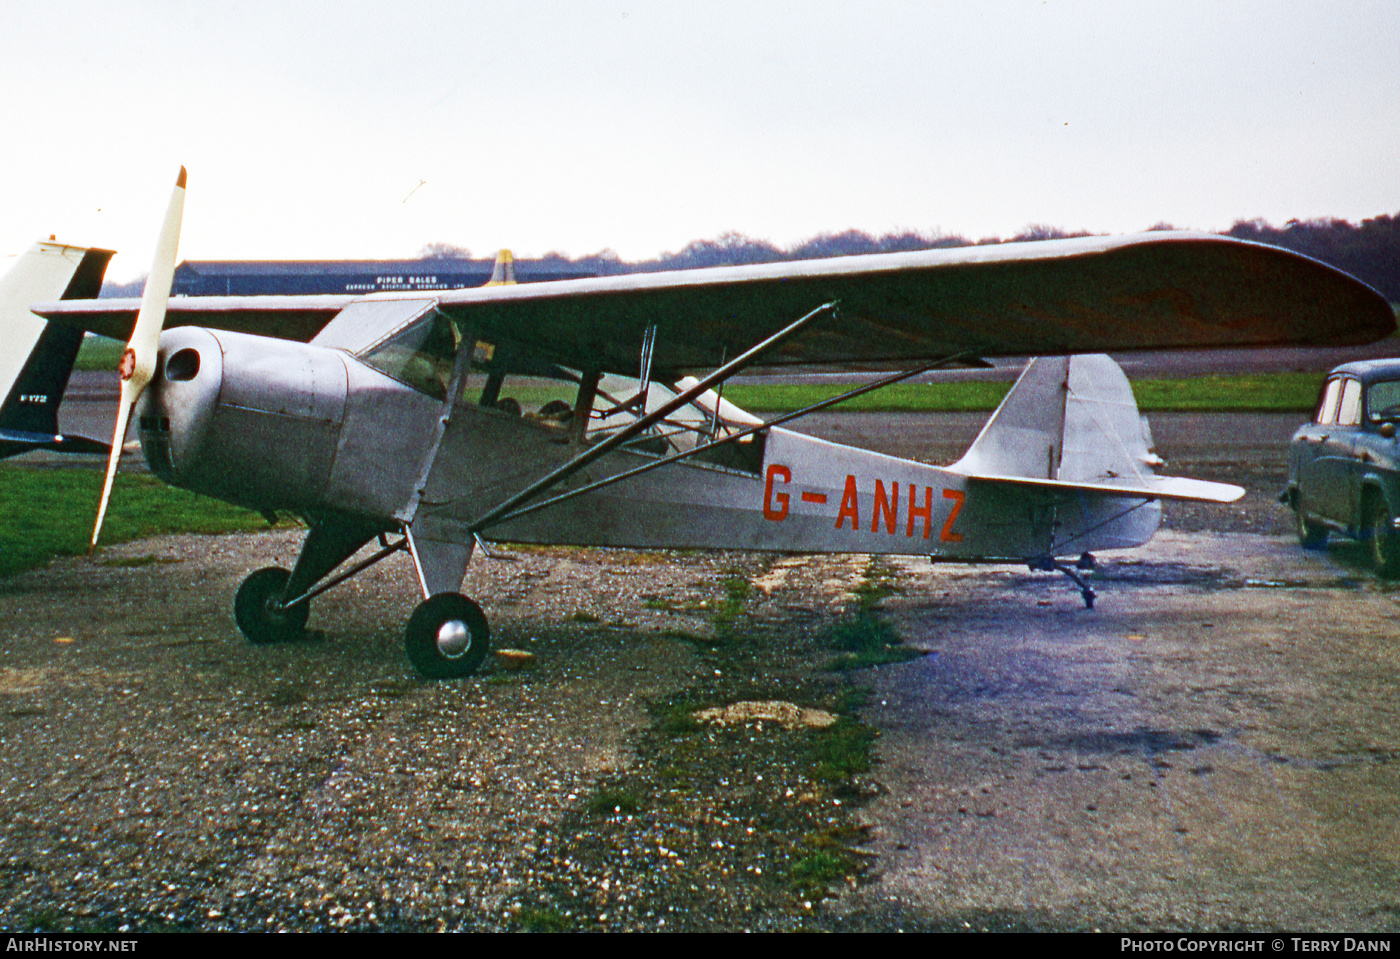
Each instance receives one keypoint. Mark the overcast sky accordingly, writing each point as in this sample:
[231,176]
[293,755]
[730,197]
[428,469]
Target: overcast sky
[357,129]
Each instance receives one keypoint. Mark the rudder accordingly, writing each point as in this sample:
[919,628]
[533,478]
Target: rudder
[38,359]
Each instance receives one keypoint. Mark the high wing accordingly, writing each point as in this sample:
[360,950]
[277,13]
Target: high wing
[1149,291]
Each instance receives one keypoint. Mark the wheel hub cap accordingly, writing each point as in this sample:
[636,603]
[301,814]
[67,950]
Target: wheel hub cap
[453,638]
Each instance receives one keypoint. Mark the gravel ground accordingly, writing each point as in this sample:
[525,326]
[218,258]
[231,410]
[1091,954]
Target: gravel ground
[157,772]
[160,773]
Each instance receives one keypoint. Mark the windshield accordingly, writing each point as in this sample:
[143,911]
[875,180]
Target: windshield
[421,356]
[1383,401]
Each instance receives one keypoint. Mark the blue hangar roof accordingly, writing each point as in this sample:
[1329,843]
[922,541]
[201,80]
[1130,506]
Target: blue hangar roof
[290,277]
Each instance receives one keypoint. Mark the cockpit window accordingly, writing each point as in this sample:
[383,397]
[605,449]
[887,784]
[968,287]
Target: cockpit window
[421,355]
[1383,401]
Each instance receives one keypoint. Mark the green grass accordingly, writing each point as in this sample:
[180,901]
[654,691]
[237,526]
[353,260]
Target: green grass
[728,611]
[1255,392]
[542,920]
[815,872]
[880,582]
[867,639]
[1259,392]
[99,353]
[675,715]
[611,802]
[844,750]
[50,512]
[901,397]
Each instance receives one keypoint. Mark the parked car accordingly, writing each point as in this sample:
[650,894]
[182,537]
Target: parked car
[1344,466]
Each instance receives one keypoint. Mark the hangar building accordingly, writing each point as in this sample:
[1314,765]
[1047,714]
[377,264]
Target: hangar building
[282,277]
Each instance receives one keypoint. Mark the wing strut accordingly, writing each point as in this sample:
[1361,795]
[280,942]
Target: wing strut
[732,437]
[617,439]
[388,550]
[648,345]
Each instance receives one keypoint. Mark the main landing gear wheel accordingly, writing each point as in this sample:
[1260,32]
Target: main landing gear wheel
[258,619]
[447,637]
[1383,541]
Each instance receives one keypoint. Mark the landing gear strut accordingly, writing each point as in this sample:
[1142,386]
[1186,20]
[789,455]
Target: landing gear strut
[1048,564]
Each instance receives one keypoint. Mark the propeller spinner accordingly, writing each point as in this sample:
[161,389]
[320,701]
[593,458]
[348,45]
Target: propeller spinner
[138,363]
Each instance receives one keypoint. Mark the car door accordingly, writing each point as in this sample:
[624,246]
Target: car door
[1307,465]
[1335,465]
[1375,451]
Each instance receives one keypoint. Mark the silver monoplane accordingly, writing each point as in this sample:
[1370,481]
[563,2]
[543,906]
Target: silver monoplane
[581,411]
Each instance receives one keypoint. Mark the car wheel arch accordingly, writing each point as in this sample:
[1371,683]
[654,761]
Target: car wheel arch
[1371,488]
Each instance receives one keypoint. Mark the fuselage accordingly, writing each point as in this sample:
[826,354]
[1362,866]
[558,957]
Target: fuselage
[277,425]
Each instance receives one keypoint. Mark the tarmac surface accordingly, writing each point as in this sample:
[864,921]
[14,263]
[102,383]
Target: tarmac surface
[1213,746]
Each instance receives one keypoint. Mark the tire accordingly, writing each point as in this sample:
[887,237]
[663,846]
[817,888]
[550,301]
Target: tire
[252,610]
[1310,534]
[447,637]
[1381,538]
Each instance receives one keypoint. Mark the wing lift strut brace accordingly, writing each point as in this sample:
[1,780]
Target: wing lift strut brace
[593,453]
[733,437]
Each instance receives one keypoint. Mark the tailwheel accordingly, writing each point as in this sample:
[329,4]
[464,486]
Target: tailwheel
[258,614]
[447,637]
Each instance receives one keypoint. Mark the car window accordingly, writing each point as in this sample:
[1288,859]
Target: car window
[1327,404]
[1349,409]
[1383,401]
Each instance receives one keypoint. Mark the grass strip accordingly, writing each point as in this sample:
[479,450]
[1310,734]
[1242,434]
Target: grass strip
[50,512]
[1254,392]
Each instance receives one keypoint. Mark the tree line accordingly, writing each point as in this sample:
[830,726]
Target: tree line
[1369,251]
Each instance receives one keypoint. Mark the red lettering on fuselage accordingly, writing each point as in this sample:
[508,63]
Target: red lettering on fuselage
[947,535]
[885,506]
[925,512]
[850,505]
[775,471]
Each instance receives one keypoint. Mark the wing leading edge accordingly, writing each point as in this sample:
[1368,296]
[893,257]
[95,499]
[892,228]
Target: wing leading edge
[1092,294]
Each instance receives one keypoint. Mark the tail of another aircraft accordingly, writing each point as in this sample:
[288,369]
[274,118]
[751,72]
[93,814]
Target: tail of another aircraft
[1071,423]
[38,356]
[503,272]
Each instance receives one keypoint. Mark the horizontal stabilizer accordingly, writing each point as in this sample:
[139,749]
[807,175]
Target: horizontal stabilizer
[1154,487]
[13,442]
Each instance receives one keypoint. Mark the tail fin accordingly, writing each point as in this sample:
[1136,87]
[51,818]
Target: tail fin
[503,273]
[1070,422]
[38,356]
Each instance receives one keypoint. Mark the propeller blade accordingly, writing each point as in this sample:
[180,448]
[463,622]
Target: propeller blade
[118,434]
[139,361]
